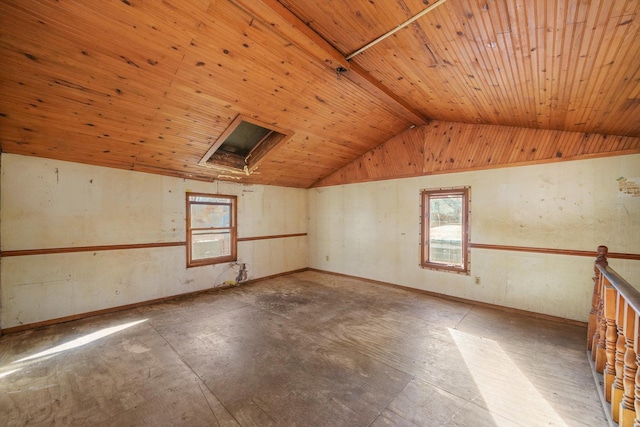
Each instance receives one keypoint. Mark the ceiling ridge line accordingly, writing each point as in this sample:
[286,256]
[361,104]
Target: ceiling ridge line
[329,55]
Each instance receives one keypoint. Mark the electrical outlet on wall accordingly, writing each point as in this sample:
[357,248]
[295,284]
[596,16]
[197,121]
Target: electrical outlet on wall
[476,280]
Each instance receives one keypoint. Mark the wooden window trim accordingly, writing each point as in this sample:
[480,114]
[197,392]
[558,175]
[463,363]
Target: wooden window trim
[233,229]
[425,196]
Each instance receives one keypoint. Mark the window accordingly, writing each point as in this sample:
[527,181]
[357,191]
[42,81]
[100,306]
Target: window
[445,229]
[211,229]
[243,146]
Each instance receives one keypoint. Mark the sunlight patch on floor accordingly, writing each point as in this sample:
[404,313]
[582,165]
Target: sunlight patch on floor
[79,342]
[505,389]
[6,374]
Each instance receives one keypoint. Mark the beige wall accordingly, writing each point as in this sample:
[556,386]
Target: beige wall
[371,230]
[54,204]
[368,230]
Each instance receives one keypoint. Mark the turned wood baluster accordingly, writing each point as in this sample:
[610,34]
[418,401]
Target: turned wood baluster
[611,337]
[617,389]
[600,344]
[627,406]
[595,302]
[597,342]
[593,333]
[636,347]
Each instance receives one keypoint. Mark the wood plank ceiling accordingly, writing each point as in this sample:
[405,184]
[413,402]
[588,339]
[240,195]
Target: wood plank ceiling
[150,86]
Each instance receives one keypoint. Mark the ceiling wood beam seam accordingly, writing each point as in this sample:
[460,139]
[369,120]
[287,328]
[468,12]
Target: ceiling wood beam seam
[396,29]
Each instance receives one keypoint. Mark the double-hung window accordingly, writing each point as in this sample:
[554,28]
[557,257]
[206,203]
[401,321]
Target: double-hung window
[211,229]
[445,229]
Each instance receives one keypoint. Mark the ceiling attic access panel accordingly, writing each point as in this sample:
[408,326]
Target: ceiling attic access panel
[244,145]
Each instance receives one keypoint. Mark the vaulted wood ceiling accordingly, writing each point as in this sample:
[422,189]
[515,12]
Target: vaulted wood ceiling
[150,86]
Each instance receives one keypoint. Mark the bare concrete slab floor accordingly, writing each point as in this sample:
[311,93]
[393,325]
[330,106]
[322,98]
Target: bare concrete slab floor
[308,349]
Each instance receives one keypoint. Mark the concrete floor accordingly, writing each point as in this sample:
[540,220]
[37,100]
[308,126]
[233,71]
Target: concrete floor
[308,349]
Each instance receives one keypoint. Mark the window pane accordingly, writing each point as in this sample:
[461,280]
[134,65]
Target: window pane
[208,216]
[211,229]
[208,199]
[445,230]
[208,244]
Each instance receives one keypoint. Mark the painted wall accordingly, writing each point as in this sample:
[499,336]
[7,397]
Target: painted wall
[368,230]
[371,230]
[53,204]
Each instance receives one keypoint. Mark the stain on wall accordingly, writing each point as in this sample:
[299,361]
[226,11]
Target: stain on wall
[630,186]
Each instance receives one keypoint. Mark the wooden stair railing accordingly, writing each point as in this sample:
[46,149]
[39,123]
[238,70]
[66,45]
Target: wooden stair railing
[613,340]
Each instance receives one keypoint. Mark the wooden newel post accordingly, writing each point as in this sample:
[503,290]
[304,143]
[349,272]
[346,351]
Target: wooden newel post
[602,255]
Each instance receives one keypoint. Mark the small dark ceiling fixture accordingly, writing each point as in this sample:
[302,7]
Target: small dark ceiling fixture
[243,146]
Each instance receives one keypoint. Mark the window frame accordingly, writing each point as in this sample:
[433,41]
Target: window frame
[425,198]
[233,230]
